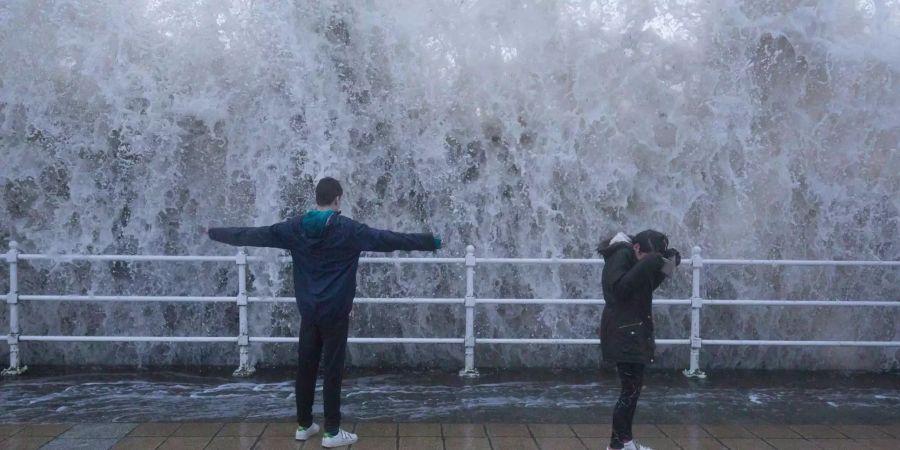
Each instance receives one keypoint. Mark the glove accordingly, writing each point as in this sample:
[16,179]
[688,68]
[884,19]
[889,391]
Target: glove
[673,255]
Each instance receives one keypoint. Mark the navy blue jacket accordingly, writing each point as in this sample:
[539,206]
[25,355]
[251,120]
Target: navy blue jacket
[325,255]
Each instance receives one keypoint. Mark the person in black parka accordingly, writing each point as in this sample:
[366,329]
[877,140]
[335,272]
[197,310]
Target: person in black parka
[634,267]
[325,249]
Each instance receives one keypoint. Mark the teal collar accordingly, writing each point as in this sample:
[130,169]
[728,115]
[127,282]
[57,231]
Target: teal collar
[315,222]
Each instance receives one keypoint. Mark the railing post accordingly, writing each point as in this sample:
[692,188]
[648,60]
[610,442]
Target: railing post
[12,299]
[469,370]
[696,306]
[245,368]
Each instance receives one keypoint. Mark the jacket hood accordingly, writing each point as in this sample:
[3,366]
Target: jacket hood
[315,222]
[619,241]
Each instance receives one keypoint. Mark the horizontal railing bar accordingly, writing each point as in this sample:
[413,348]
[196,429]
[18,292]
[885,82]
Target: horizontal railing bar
[800,303]
[539,301]
[550,261]
[362,340]
[214,258]
[377,300]
[535,341]
[559,341]
[424,260]
[129,338]
[566,341]
[802,343]
[424,301]
[451,260]
[450,340]
[565,301]
[795,262]
[126,298]
[373,260]
[509,301]
[170,258]
[451,301]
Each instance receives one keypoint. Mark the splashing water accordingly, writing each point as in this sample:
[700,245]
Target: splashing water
[753,129]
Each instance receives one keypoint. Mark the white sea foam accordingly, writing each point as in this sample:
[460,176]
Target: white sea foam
[753,129]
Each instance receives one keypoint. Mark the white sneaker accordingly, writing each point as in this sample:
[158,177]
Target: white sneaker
[631,445]
[303,434]
[341,439]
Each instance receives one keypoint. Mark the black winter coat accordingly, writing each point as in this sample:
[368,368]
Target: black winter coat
[626,327]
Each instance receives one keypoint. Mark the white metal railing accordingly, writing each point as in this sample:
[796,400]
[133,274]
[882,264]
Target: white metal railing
[469,303]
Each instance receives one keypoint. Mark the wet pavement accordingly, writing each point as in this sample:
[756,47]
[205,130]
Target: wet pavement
[425,410]
[444,436]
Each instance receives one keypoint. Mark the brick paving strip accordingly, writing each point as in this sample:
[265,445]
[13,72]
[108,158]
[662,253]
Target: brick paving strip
[446,436]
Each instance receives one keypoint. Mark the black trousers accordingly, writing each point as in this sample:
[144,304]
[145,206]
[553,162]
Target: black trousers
[316,337]
[631,376]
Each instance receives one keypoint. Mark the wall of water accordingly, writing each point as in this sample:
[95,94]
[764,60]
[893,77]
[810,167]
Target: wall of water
[757,129]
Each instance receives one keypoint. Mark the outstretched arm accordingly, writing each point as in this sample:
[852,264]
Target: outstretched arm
[370,239]
[279,235]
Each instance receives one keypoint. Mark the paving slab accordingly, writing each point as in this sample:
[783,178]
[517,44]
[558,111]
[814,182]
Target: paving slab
[139,443]
[98,431]
[79,444]
[467,443]
[242,429]
[164,429]
[420,429]
[421,443]
[458,430]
